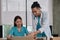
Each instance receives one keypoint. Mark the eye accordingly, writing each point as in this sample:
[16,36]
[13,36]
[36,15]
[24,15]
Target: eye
[17,22]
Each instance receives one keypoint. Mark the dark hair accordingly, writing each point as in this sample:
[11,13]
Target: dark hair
[17,17]
[35,4]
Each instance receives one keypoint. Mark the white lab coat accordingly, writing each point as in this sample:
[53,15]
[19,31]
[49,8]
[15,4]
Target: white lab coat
[44,22]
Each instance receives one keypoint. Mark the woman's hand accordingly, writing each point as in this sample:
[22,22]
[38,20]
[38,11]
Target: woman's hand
[9,37]
[33,34]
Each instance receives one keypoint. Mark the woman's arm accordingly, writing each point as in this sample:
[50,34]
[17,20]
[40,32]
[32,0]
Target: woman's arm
[10,33]
[26,31]
[9,37]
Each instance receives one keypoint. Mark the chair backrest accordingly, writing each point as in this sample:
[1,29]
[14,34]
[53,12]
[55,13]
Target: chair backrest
[6,29]
[50,28]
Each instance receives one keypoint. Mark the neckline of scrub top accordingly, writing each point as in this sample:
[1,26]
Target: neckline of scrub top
[20,28]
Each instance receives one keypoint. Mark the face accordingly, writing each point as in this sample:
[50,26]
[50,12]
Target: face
[36,11]
[18,22]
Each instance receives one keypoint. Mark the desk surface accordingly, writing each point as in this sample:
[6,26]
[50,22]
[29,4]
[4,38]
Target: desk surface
[22,38]
[56,38]
[29,38]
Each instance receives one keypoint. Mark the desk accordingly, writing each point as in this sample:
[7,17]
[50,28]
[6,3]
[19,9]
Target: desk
[56,38]
[27,38]
[23,38]
[30,38]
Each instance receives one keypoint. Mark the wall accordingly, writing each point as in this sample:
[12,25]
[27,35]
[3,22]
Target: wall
[50,11]
[56,17]
[0,12]
[11,10]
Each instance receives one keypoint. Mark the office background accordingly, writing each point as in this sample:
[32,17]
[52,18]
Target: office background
[10,8]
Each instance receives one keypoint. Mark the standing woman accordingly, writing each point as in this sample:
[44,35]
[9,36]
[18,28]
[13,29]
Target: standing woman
[18,29]
[40,20]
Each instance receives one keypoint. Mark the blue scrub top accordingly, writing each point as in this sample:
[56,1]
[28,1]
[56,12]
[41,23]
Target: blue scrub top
[14,31]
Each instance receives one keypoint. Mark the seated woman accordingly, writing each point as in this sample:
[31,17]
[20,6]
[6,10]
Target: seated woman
[18,29]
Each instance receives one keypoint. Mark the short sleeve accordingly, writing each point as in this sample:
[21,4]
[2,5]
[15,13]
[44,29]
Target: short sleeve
[26,31]
[11,31]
